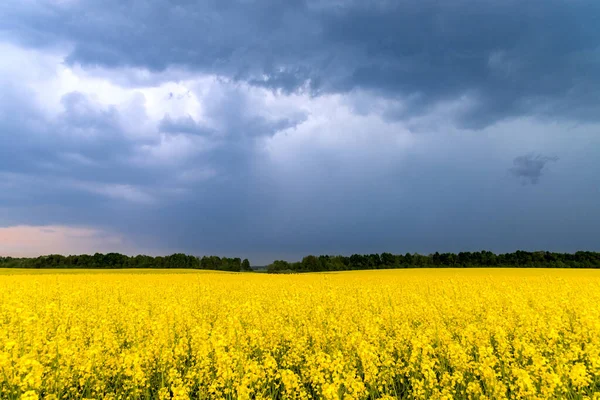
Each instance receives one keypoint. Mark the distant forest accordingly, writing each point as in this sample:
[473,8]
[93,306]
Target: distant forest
[518,259]
[116,260]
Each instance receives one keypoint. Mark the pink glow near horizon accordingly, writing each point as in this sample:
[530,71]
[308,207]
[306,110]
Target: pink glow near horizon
[31,241]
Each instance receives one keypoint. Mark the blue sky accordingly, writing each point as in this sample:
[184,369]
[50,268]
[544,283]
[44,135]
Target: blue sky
[273,129]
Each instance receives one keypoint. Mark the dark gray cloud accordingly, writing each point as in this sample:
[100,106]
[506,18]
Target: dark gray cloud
[529,167]
[234,114]
[183,125]
[267,164]
[355,195]
[85,167]
[85,139]
[510,58]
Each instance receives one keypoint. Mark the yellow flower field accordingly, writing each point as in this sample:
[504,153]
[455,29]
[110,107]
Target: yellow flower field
[426,334]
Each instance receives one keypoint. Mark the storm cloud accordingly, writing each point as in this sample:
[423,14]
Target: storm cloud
[270,129]
[505,59]
[530,166]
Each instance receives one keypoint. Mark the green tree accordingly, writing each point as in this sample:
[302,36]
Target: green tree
[246,265]
[278,266]
[311,264]
[388,259]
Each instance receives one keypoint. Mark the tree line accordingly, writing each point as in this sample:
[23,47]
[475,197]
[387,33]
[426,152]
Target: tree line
[116,260]
[311,263]
[518,259]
